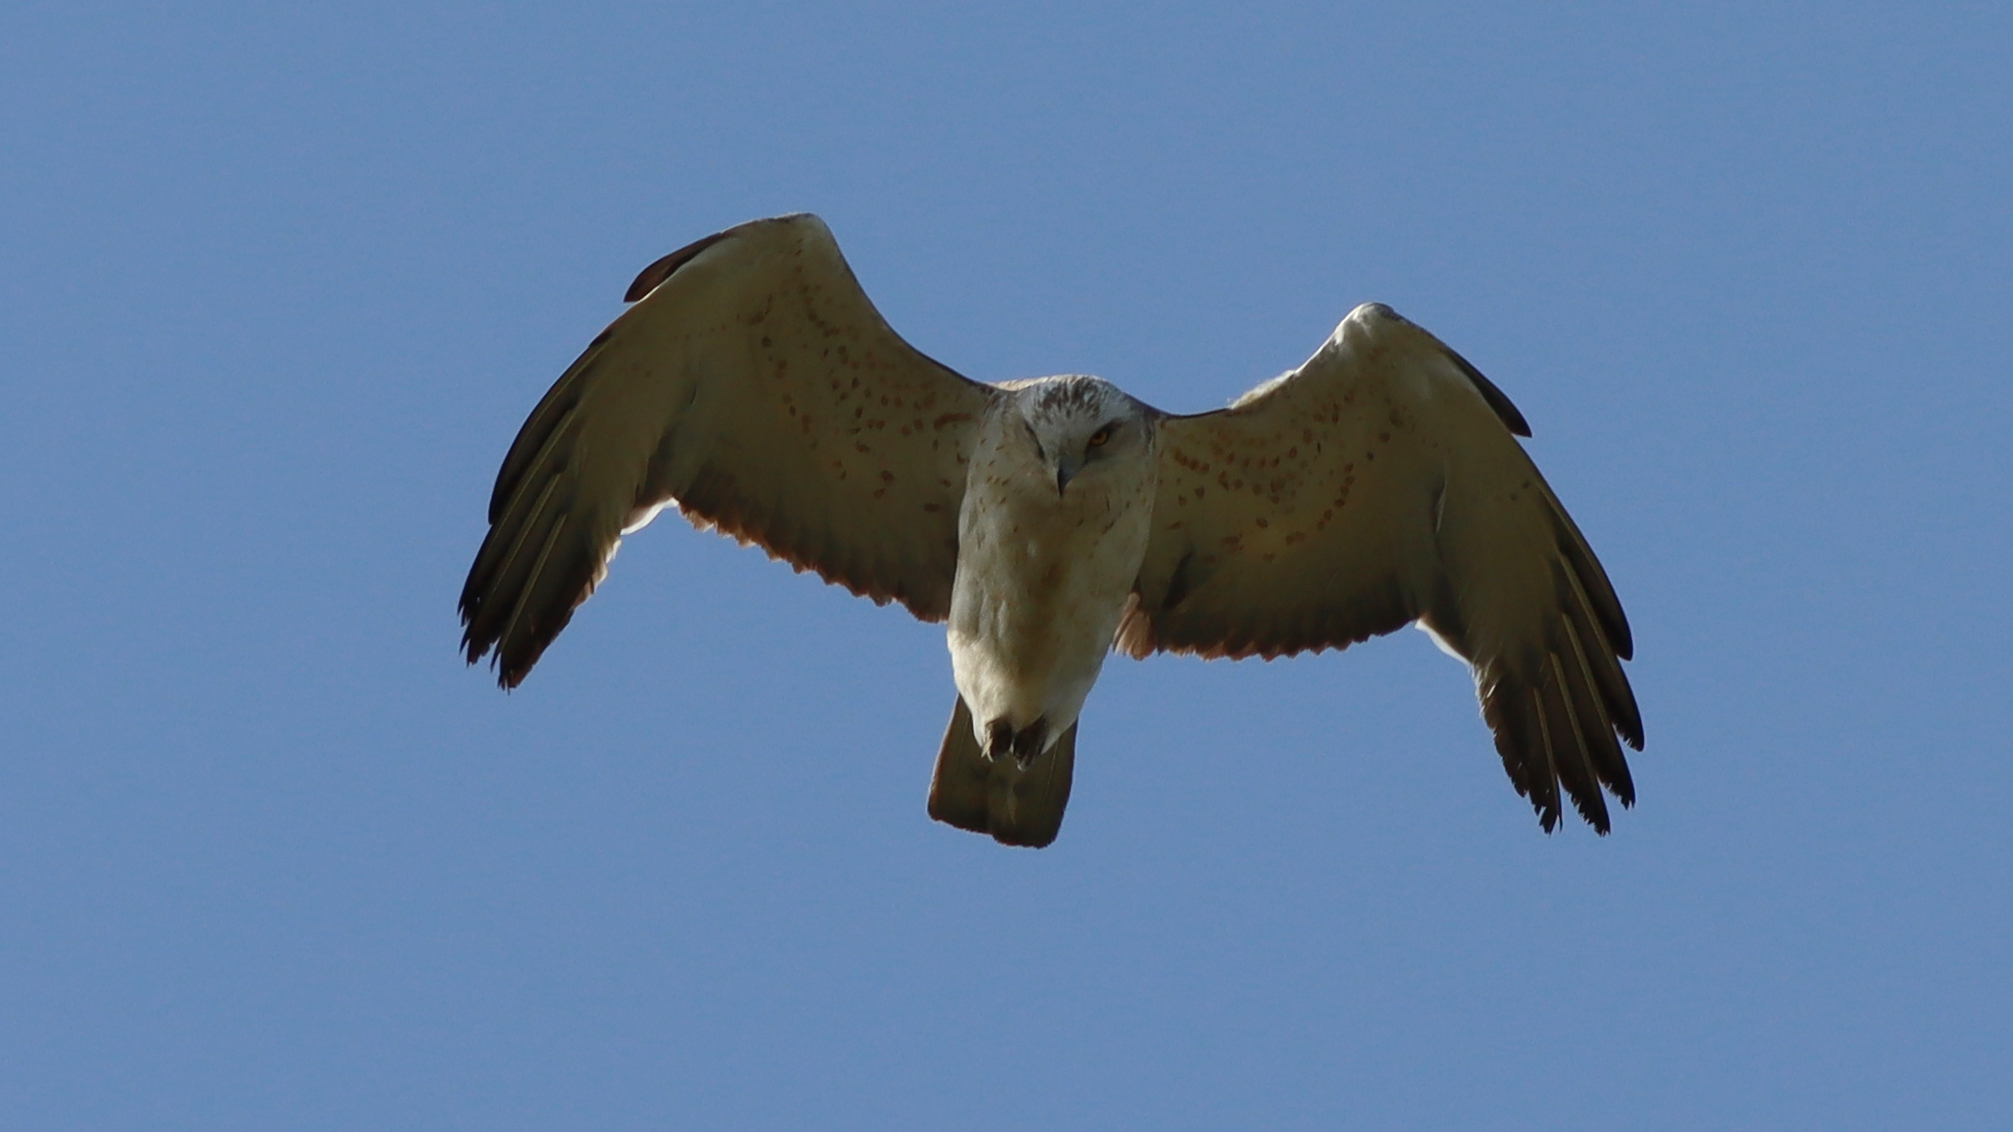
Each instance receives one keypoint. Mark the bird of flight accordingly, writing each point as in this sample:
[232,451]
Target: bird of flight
[754,387]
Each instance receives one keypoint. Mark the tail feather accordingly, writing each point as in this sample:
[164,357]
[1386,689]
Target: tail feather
[996,796]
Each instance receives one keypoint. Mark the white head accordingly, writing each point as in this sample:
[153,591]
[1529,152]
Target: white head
[1081,426]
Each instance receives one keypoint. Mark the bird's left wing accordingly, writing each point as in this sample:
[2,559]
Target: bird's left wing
[756,387]
[1380,484]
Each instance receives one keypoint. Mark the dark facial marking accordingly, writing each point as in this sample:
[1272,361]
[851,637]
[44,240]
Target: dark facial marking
[1034,440]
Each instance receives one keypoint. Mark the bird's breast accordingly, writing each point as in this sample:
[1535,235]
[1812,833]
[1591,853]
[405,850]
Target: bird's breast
[1042,580]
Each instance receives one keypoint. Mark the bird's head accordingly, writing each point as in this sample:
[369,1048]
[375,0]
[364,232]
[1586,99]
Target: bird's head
[1083,426]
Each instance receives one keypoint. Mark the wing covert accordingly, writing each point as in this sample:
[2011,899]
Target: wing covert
[755,387]
[1377,485]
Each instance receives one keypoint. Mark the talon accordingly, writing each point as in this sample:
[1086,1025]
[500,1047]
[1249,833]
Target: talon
[1028,745]
[1025,745]
[999,739]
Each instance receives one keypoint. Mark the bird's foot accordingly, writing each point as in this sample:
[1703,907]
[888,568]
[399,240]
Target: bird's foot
[1024,745]
[999,740]
[1030,742]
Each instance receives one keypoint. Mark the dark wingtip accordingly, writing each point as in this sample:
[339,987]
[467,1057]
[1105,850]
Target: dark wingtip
[472,649]
[1506,411]
[1548,818]
[509,674]
[654,276]
[1497,399]
[479,641]
[1620,635]
[1595,812]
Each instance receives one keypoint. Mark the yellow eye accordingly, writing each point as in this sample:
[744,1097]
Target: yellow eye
[1098,438]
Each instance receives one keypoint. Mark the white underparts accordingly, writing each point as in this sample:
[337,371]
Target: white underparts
[1043,576]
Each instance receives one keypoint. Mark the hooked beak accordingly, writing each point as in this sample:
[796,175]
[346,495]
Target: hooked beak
[1065,471]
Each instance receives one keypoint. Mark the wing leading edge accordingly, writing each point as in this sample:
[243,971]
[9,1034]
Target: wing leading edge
[1377,485]
[754,386]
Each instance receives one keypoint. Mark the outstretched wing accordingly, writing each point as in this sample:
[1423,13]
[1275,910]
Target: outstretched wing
[1377,485]
[756,387]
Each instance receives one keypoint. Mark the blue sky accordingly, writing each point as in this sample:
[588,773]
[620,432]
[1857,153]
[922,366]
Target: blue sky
[281,283]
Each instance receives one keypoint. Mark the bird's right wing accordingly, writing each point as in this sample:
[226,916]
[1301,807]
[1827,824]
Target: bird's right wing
[756,387]
[1380,484]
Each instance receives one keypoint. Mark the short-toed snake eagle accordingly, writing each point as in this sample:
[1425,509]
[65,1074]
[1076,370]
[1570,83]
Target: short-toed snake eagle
[755,387]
